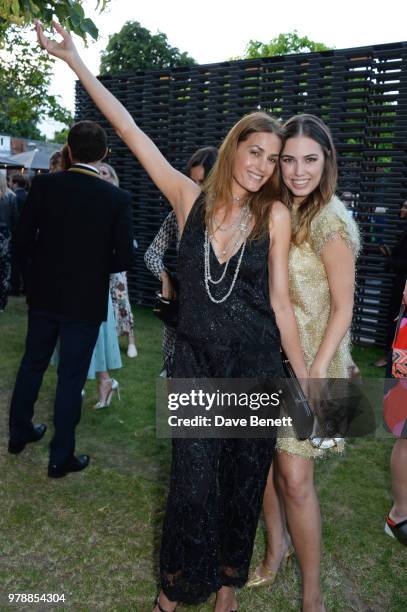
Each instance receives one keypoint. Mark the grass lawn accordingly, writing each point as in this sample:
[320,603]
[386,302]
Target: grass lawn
[94,536]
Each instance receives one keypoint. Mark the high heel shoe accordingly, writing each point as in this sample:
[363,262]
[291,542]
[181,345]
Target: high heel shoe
[396,530]
[106,402]
[263,576]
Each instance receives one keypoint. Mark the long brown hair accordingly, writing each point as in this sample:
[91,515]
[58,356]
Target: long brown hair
[314,128]
[66,162]
[218,185]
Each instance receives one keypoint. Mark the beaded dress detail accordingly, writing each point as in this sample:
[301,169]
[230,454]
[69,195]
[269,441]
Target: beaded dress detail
[245,320]
[217,485]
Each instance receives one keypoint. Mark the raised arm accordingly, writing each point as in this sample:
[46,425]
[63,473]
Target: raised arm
[280,239]
[179,190]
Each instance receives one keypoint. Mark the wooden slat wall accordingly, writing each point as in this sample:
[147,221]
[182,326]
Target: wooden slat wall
[360,93]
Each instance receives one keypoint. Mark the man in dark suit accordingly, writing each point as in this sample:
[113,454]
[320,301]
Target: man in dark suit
[75,229]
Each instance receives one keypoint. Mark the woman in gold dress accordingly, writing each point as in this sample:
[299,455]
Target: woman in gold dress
[325,244]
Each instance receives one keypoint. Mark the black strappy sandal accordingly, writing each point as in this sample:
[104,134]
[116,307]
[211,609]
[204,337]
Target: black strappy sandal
[157,603]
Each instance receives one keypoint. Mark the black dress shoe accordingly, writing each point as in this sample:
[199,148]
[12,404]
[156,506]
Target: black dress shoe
[37,433]
[76,464]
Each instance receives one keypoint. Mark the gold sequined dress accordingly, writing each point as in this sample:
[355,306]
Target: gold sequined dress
[310,296]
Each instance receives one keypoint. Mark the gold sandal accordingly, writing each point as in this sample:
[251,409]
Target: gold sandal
[263,576]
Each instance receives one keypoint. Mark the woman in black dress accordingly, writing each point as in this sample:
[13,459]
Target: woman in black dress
[234,313]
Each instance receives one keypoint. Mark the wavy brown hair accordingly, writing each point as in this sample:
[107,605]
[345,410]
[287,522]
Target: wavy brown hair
[314,128]
[66,162]
[218,185]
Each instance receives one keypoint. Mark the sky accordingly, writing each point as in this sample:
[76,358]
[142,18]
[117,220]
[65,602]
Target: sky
[216,30]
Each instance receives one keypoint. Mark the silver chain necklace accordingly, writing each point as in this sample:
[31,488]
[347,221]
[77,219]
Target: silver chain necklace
[238,223]
[207,270]
[226,264]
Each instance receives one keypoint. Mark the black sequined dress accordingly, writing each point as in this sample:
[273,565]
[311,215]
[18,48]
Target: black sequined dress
[217,485]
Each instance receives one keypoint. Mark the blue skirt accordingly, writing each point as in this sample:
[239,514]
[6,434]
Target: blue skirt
[106,354]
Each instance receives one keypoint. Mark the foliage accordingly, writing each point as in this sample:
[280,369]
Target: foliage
[135,48]
[25,75]
[70,13]
[283,44]
[61,136]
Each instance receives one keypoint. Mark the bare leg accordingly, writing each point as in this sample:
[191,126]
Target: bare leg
[278,539]
[105,385]
[296,483]
[131,338]
[165,603]
[102,376]
[398,466]
[225,600]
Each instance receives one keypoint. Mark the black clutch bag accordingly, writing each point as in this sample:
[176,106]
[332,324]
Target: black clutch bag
[166,310]
[296,404]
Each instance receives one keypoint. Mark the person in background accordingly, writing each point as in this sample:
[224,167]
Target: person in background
[8,222]
[396,520]
[75,230]
[20,185]
[198,167]
[106,354]
[55,162]
[396,261]
[105,357]
[118,285]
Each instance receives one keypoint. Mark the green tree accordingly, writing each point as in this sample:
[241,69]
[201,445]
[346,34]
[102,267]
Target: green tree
[135,48]
[25,76]
[61,136]
[283,44]
[69,12]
